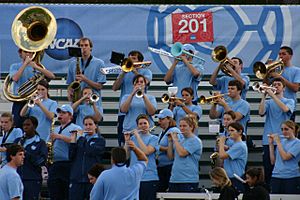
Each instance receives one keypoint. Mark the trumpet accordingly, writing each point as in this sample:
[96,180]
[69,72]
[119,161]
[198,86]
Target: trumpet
[139,93]
[94,98]
[127,66]
[139,130]
[80,132]
[166,98]
[263,71]
[31,102]
[211,99]
[262,88]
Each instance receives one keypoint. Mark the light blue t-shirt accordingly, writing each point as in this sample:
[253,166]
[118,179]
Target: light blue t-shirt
[240,106]
[12,136]
[119,183]
[150,174]
[162,158]
[44,125]
[275,116]
[27,74]
[222,84]
[182,77]
[137,107]
[127,85]
[288,168]
[186,169]
[11,185]
[84,110]
[292,74]
[179,113]
[236,163]
[61,148]
[92,72]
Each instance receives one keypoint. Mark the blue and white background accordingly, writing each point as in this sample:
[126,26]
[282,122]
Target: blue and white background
[254,33]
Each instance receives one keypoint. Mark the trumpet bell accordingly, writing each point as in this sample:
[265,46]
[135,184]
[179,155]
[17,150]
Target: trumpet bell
[219,54]
[139,94]
[127,65]
[94,98]
[165,98]
[34,28]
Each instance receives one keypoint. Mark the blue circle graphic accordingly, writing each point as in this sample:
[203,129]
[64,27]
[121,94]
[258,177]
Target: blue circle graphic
[68,35]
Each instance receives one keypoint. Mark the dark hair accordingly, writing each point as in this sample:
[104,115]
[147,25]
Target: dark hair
[137,78]
[96,170]
[236,83]
[92,118]
[188,90]
[292,125]
[33,120]
[237,58]
[138,54]
[289,50]
[12,150]
[142,116]
[278,79]
[86,39]
[231,113]
[239,127]
[118,155]
[258,173]
[45,84]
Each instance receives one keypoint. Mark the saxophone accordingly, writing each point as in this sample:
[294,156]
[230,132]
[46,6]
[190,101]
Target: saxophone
[50,146]
[75,85]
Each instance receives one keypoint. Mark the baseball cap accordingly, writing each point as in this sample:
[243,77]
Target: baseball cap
[65,108]
[164,113]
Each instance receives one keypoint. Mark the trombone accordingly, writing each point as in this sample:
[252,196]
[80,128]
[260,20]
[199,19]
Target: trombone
[127,66]
[211,99]
[166,98]
[262,70]
[262,88]
[177,50]
[219,54]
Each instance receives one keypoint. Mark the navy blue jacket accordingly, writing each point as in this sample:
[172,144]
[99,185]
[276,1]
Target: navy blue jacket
[35,156]
[83,155]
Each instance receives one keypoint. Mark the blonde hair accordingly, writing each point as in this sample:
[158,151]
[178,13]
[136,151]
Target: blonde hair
[219,174]
[191,121]
[292,125]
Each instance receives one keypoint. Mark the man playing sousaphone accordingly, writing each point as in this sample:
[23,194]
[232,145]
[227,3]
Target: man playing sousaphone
[124,83]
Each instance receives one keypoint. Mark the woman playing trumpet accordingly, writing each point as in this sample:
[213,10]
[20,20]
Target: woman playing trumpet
[43,109]
[85,151]
[143,139]
[87,106]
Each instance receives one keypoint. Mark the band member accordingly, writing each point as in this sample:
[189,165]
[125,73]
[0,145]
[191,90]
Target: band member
[124,83]
[286,174]
[220,179]
[221,83]
[86,106]
[164,164]
[186,71]
[235,158]
[59,171]
[290,75]
[186,106]
[83,153]
[276,110]
[11,186]
[186,153]
[91,75]
[137,102]
[35,156]
[147,142]
[8,135]
[43,109]
[256,187]
[240,107]
[121,182]
[228,118]
[94,172]
[20,73]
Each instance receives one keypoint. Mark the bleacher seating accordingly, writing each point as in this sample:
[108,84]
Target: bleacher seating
[157,88]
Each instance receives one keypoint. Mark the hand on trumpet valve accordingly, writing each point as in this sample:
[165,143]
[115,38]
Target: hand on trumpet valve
[221,140]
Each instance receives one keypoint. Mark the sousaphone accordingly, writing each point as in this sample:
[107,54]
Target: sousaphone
[33,29]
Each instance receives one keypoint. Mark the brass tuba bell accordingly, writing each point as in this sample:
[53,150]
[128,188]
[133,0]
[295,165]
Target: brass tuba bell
[33,29]
[262,70]
[219,54]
